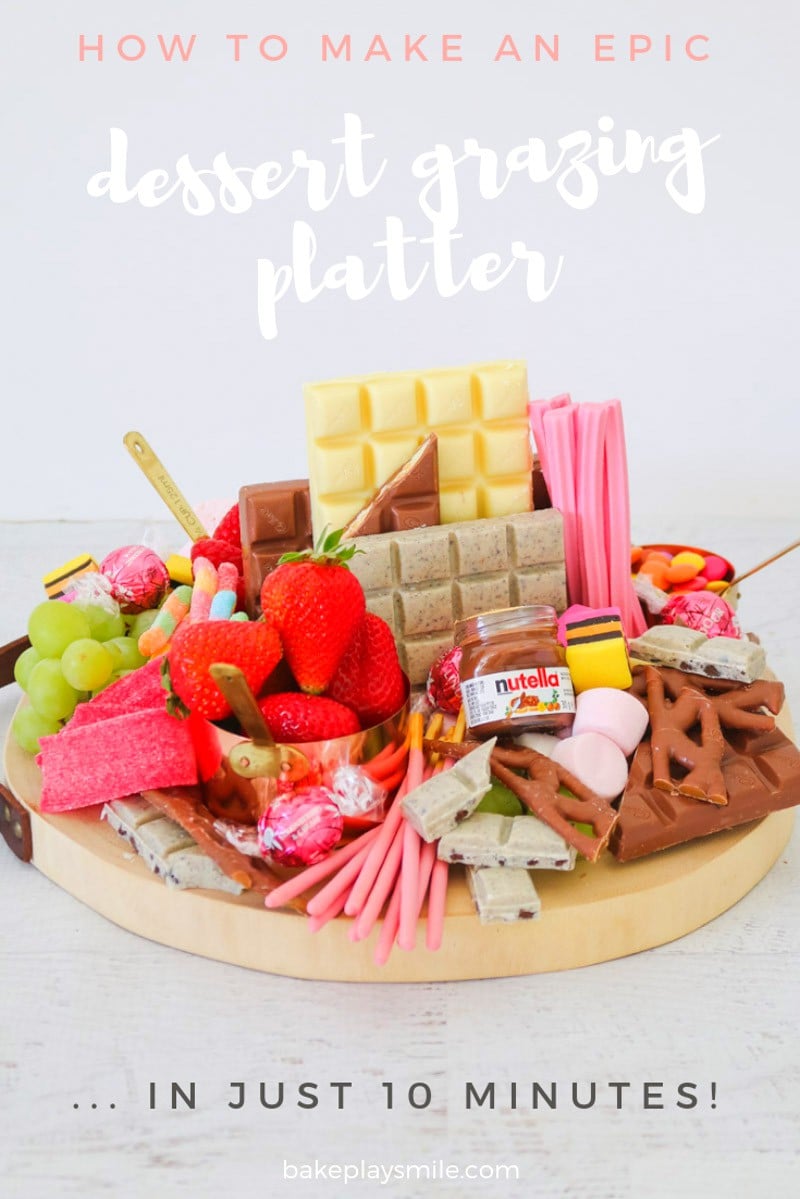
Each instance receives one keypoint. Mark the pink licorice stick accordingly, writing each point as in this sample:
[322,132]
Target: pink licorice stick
[339,885]
[536,411]
[314,874]
[591,429]
[378,850]
[559,428]
[387,874]
[436,905]
[409,883]
[621,590]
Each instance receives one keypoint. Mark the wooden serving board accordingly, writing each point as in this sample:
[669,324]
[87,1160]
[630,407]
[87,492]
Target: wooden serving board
[591,914]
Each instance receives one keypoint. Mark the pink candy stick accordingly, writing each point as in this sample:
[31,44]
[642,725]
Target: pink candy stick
[339,885]
[315,923]
[387,874]
[536,411]
[591,420]
[378,850]
[559,428]
[389,927]
[436,905]
[409,884]
[314,874]
[621,590]
[391,921]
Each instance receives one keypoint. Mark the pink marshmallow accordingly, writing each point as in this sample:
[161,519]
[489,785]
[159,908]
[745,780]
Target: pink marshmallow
[615,714]
[595,761]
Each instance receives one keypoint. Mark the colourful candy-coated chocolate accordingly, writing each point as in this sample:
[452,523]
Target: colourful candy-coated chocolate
[681,572]
[718,586]
[689,558]
[715,569]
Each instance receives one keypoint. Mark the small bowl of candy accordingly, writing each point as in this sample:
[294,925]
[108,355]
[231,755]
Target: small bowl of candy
[663,571]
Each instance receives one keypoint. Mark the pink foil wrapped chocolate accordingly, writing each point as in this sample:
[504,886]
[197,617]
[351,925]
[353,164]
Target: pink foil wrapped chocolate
[444,681]
[703,611]
[301,828]
[139,579]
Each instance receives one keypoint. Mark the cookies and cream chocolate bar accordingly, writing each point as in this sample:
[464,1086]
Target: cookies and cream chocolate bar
[361,430]
[692,651]
[421,581]
[488,839]
[444,800]
[502,893]
[165,848]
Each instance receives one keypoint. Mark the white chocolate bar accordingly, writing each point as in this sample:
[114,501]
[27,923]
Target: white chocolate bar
[165,848]
[446,799]
[502,893]
[361,430]
[524,842]
[420,581]
[689,650]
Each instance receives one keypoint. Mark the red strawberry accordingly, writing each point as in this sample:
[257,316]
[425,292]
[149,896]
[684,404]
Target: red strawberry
[295,717]
[255,648]
[316,605]
[229,528]
[217,552]
[368,678]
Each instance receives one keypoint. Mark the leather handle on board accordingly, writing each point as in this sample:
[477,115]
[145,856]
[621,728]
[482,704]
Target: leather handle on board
[8,656]
[15,825]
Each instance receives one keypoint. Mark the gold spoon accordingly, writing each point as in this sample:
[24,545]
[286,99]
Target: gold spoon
[156,473]
[259,757]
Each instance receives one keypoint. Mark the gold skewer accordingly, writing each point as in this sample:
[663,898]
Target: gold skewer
[157,475]
[767,562]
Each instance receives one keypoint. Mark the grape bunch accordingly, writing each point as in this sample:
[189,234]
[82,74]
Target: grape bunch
[76,651]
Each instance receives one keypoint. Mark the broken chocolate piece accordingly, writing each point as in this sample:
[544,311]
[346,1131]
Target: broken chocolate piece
[275,520]
[408,500]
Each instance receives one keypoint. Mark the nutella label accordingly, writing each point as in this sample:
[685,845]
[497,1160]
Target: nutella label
[519,694]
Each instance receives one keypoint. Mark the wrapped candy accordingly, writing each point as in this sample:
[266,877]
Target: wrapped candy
[444,681]
[354,792]
[139,579]
[301,828]
[704,612]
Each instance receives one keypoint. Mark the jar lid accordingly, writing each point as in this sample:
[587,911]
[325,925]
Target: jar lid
[506,620]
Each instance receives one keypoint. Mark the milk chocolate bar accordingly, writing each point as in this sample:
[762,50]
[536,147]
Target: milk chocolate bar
[502,893]
[422,581]
[361,430]
[409,500]
[487,839]
[690,650]
[275,520]
[761,773]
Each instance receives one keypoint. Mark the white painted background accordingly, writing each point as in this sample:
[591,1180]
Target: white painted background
[120,317]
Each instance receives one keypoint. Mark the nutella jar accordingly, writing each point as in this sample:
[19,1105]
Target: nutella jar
[514,675]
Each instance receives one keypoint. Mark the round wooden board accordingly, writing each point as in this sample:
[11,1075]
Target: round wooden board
[591,914]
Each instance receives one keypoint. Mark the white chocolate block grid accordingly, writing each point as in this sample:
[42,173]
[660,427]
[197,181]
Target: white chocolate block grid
[421,581]
[361,430]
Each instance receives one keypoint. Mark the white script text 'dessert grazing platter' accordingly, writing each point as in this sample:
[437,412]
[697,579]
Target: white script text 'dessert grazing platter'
[468,732]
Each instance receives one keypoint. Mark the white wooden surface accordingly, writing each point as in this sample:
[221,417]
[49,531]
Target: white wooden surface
[91,1014]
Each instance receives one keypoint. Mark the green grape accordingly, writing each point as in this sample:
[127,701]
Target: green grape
[141,622]
[501,800]
[28,726]
[24,665]
[54,625]
[103,625]
[49,692]
[86,664]
[125,652]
